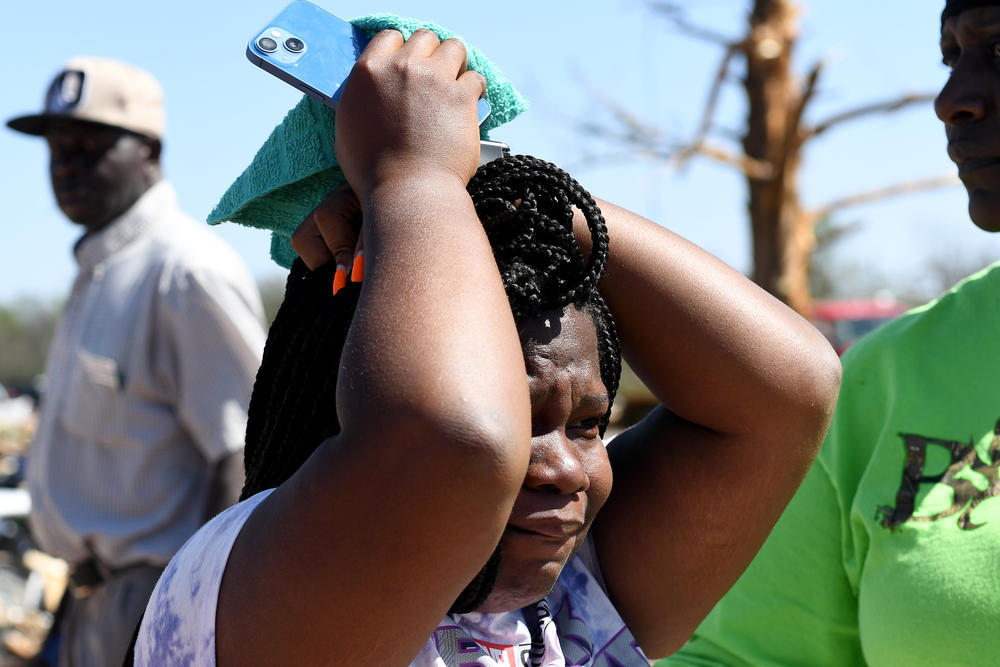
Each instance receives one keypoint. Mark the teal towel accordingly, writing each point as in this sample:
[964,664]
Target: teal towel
[296,167]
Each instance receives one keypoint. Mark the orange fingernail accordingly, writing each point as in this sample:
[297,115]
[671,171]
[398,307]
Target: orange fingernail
[358,272]
[339,279]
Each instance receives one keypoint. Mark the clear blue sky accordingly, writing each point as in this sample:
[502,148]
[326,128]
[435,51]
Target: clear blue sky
[561,55]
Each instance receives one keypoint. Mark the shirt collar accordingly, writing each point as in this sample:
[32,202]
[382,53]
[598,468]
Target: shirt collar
[92,249]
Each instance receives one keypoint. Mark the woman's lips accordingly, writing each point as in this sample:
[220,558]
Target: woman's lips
[553,528]
[971,156]
[970,165]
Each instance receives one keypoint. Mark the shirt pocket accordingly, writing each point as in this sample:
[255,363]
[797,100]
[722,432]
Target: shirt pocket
[95,401]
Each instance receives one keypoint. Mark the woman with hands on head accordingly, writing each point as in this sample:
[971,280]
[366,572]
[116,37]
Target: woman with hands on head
[426,478]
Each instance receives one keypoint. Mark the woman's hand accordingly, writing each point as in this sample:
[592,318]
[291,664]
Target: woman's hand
[332,231]
[409,111]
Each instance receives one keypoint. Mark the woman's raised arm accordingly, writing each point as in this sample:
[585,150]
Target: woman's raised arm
[359,555]
[748,388]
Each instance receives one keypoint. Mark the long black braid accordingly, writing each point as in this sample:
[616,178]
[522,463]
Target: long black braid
[526,207]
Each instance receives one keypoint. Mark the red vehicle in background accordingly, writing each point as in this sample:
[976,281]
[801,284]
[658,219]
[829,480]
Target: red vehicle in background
[843,322]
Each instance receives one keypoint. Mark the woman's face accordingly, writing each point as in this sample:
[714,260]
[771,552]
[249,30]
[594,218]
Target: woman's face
[969,106]
[569,476]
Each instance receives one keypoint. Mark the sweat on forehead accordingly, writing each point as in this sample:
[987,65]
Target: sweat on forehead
[955,7]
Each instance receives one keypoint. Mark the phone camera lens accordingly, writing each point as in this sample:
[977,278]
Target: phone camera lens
[267,44]
[294,44]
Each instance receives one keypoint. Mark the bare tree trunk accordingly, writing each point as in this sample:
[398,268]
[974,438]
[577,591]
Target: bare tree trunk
[782,230]
[782,240]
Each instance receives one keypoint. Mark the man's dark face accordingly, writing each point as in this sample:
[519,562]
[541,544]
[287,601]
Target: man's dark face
[98,172]
[969,106]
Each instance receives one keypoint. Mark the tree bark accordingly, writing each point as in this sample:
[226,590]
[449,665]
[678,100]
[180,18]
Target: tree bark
[782,239]
[782,230]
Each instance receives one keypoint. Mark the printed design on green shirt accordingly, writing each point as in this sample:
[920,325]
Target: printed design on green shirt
[966,495]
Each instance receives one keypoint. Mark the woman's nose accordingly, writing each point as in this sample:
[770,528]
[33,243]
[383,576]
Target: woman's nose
[556,465]
[964,97]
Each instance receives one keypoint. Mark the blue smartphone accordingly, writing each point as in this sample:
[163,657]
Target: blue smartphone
[314,51]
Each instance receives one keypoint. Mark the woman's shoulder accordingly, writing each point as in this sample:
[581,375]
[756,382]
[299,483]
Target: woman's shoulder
[179,624]
[900,379]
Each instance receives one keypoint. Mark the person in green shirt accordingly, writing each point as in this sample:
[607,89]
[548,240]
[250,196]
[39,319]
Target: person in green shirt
[889,554]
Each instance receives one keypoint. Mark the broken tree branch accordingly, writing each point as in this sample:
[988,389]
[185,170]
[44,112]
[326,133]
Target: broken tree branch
[795,122]
[751,167]
[708,113]
[675,15]
[885,106]
[906,187]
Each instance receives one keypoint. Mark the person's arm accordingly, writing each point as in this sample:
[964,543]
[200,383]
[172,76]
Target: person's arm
[794,605]
[749,389]
[359,555]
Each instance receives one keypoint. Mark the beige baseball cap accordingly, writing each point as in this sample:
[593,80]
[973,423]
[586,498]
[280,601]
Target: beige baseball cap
[103,91]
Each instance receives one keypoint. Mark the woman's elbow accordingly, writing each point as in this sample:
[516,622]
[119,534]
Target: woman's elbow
[815,388]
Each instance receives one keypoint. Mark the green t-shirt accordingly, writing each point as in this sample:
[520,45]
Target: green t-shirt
[889,554]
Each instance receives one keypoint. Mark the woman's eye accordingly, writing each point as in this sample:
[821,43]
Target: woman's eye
[590,428]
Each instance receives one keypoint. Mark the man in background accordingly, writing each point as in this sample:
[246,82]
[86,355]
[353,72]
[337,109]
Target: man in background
[149,375]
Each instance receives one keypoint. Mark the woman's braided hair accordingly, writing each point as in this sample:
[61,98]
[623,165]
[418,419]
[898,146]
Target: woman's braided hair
[526,207]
